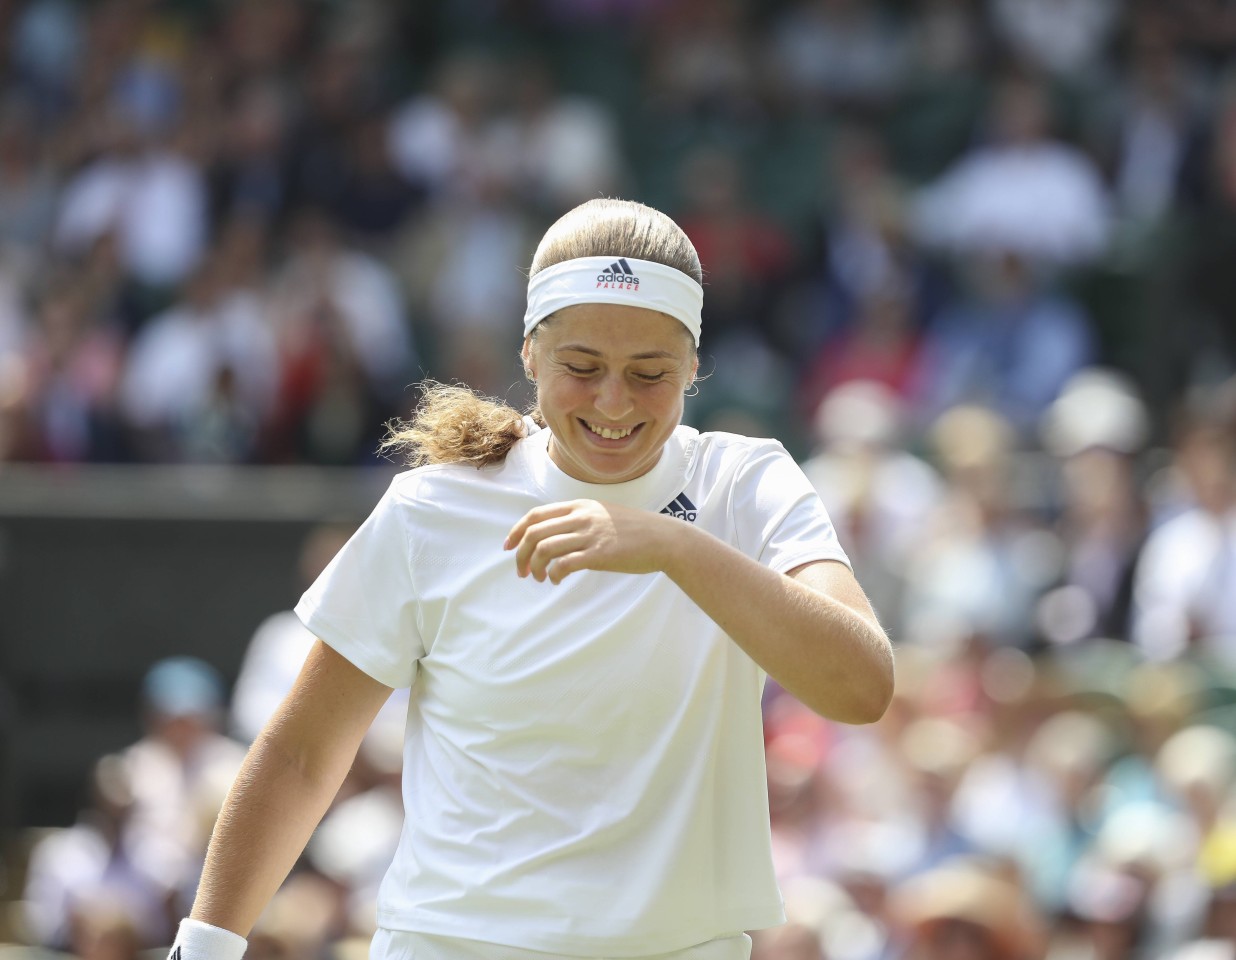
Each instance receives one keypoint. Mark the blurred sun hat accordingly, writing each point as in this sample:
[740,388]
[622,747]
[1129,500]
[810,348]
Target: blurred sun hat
[859,412]
[1096,408]
[964,889]
[183,686]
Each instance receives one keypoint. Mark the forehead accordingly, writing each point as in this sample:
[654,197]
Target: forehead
[615,330]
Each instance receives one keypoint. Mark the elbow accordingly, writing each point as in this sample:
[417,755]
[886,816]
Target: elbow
[868,707]
[874,704]
[866,699]
[879,689]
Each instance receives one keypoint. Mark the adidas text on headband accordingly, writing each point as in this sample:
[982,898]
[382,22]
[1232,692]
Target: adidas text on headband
[621,280]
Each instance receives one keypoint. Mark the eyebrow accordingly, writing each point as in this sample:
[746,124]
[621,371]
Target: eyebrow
[649,355]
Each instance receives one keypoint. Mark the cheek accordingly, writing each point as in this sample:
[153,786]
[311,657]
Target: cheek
[673,398]
[558,393]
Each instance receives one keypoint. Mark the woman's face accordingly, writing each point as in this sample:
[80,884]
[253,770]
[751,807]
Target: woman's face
[610,381]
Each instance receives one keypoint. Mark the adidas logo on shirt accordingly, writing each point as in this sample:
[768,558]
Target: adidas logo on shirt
[682,508]
[620,276]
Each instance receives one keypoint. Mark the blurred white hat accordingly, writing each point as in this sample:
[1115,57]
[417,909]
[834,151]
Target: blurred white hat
[859,411]
[1097,408]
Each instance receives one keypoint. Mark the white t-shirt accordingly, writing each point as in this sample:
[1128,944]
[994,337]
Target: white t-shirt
[584,765]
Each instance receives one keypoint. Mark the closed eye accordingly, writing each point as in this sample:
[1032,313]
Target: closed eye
[650,377]
[579,371]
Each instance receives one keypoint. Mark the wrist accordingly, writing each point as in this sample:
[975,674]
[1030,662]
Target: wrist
[676,541]
[196,940]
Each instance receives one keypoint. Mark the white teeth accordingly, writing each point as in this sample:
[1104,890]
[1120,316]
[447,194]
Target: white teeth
[609,434]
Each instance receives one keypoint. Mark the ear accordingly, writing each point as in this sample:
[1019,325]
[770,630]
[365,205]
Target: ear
[525,354]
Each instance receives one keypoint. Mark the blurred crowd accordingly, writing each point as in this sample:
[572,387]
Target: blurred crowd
[971,260]
[239,233]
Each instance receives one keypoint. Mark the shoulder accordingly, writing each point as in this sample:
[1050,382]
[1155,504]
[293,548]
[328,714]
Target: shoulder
[437,492]
[734,448]
[441,479]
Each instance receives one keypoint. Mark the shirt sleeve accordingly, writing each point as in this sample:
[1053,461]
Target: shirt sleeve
[777,514]
[364,604]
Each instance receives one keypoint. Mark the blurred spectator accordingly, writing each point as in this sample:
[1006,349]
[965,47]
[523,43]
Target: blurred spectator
[703,73]
[104,930]
[1186,576]
[839,53]
[1065,759]
[439,138]
[1209,26]
[1096,428]
[370,197]
[878,287]
[180,770]
[1065,37]
[555,150]
[300,922]
[984,559]
[881,345]
[29,184]
[345,345]
[748,253]
[15,273]
[798,791]
[1209,285]
[102,860]
[966,910]
[263,39]
[151,194]
[824,923]
[1153,124]
[949,57]
[458,261]
[1012,343]
[341,83]
[72,364]
[1105,916]
[866,246]
[278,648]
[937,753]
[201,377]
[878,494]
[947,40]
[251,173]
[1022,192]
[321,272]
[45,43]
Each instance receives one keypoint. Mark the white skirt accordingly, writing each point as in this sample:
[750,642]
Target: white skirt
[406,945]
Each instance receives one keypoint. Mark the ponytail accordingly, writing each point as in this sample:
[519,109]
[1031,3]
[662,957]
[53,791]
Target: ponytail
[455,425]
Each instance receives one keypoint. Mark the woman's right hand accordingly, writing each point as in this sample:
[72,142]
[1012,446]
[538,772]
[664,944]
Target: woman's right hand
[553,541]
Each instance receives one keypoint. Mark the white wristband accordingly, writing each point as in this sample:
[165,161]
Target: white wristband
[201,941]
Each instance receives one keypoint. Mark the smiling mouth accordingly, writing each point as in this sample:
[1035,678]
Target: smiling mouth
[609,433]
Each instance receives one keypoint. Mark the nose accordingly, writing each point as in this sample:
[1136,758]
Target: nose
[613,398]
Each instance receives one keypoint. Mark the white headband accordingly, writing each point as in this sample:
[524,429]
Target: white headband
[625,280]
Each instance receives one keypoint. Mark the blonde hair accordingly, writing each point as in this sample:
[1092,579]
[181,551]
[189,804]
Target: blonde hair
[454,424]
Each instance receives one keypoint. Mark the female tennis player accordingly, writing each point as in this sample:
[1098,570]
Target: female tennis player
[585,602]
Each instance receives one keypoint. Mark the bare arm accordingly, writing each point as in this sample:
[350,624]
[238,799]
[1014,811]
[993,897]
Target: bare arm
[291,774]
[813,631]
